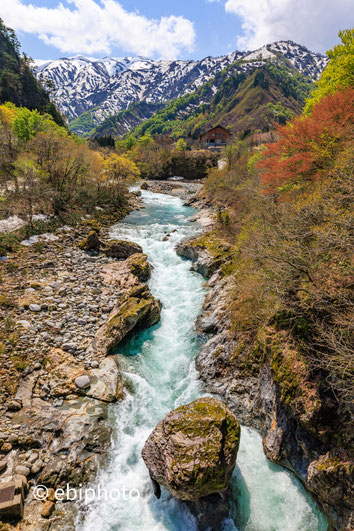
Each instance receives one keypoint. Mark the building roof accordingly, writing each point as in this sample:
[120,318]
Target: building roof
[215,127]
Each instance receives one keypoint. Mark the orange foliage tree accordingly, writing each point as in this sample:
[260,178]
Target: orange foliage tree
[308,145]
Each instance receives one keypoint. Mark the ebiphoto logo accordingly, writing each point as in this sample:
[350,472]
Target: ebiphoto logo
[86,494]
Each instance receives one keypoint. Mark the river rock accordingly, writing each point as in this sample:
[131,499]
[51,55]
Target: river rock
[35,307]
[121,249]
[206,253]
[24,323]
[139,266]
[48,508]
[106,382]
[14,405]
[22,470]
[192,451]
[6,447]
[138,309]
[332,477]
[83,382]
[37,466]
[91,242]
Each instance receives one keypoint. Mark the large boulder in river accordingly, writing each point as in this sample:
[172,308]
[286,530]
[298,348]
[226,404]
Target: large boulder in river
[121,249]
[192,451]
[139,266]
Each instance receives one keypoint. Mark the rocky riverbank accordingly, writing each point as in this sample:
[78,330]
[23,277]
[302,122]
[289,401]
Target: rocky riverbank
[63,311]
[257,378]
[266,383]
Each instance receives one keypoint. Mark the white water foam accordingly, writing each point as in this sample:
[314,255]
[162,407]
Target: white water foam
[158,366]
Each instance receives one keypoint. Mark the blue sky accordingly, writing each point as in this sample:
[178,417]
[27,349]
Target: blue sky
[183,29]
[215,29]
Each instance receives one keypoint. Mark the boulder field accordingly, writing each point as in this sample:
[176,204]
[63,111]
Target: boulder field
[63,310]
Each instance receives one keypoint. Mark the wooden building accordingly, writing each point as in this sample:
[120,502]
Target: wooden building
[216,137]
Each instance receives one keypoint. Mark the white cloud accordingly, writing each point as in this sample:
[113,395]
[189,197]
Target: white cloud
[95,26]
[314,23]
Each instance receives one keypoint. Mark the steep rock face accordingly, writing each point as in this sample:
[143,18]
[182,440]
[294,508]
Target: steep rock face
[267,384]
[107,86]
[192,451]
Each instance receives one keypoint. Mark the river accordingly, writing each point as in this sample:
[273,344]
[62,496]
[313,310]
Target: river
[159,369]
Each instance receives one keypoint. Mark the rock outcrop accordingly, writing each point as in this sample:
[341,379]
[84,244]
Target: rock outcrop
[138,309]
[139,266]
[206,252]
[121,249]
[192,451]
[91,242]
[265,381]
[11,224]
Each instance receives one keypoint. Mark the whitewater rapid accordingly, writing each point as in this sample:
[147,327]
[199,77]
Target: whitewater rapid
[160,373]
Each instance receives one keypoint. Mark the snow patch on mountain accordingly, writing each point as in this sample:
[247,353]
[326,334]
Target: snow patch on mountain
[106,86]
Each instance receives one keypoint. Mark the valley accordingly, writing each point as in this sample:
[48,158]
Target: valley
[176,291]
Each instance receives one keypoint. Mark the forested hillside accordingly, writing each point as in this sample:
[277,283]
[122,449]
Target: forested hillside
[17,82]
[243,101]
[285,211]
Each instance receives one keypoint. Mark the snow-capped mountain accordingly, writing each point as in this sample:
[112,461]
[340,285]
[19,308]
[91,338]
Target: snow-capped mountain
[106,86]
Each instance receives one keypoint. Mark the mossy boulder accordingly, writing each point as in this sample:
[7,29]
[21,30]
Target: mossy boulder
[145,186]
[192,451]
[91,242]
[331,477]
[138,309]
[139,266]
[208,253]
[121,249]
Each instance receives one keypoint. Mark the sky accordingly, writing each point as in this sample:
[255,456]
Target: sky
[171,29]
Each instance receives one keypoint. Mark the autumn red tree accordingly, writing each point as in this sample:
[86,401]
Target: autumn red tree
[307,146]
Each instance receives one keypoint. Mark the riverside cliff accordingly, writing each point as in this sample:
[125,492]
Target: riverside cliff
[281,292]
[266,383]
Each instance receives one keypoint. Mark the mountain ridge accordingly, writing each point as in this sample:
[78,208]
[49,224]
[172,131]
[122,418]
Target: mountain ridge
[104,87]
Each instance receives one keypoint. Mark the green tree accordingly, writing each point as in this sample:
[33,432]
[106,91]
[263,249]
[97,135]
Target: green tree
[233,152]
[146,140]
[27,124]
[339,73]
[181,145]
[278,113]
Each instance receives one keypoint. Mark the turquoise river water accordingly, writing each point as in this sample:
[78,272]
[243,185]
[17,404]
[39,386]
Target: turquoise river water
[158,365]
